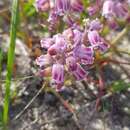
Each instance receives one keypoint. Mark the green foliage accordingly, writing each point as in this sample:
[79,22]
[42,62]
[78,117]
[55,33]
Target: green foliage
[119,86]
[29,8]
[10,62]
[86,3]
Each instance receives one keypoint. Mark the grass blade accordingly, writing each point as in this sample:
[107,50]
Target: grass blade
[1,58]
[10,62]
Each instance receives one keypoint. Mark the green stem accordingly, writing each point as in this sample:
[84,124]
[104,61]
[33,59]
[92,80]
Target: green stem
[10,62]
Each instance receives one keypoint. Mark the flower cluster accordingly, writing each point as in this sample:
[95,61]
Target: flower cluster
[69,51]
[60,9]
[73,50]
[115,8]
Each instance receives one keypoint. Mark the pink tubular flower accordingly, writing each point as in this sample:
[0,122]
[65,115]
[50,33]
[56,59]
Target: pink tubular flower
[77,37]
[84,53]
[88,61]
[43,5]
[53,20]
[94,38]
[79,73]
[52,50]
[92,10]
[128,1]
[120,10]
[60,43]
[58,73]
[68,33]
[95,25]
[45,72]
[59,46]
[62,6]
[103,47]
[46,42]
[77,5]
[108,9]
[44,60]
[71,63]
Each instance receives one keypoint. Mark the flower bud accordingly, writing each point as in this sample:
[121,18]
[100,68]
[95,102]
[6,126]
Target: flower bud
[58,73]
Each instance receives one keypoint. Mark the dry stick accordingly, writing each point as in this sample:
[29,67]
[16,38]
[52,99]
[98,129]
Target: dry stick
[116,40]
[120,35]
[21,78]
[74,117]
[4,10]
[32,100]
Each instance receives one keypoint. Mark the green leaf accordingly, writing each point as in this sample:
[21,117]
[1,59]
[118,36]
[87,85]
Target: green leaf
[10,62]
[29,9]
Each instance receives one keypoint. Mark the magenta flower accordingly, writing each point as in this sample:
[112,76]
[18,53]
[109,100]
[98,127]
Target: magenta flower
[46,42]
[84,53]
[52,50]
[92,10]
[62,6]
[60,42]
[79,73]
[71,63]
[95,25]
[77,37]
[120,10]
[77,5]
[108,9]
[73,50]
[44,60]
[60,45]
[69,34]
[43,5]
[94,38]
[103,47]
[58,73]
[67,52]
